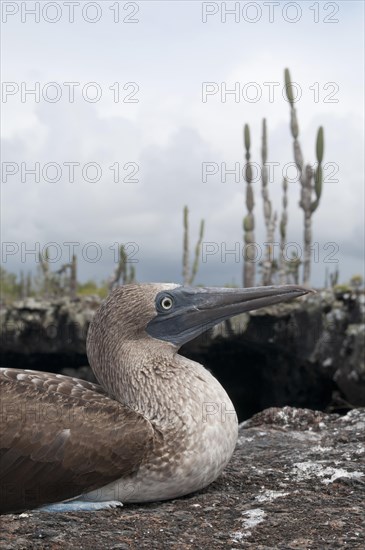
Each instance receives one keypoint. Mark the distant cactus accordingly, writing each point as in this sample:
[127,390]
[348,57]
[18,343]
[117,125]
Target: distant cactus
[283,227]
[124,273]
[73,277]
[28,285]
[326,275]
[186,267]
[132,274]
[64,281]
[318,174]
[270,217]
[57,283]
[188,277]
[249,220]
[306,176]
[22,286]
[44,263]
[334,277]
[293,266]
[356,282]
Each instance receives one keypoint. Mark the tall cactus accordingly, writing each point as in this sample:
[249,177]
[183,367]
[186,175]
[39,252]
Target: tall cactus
[283,227]
[122,272]
[306,175]
[249,220]
[188,277]
[318,174]
[270,217]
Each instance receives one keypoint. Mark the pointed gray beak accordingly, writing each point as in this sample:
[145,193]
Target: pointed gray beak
[185,312]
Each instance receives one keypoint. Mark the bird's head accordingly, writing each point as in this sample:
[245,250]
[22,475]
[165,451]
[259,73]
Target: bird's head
[176,314]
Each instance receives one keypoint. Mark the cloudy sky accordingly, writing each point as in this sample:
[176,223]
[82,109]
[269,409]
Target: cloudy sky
[112,111]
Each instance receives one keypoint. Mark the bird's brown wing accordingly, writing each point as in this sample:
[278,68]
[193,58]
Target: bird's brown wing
[60,437]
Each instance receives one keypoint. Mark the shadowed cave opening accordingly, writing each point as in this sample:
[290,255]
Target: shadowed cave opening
[255,376]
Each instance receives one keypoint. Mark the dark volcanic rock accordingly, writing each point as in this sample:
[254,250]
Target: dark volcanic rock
[296,481]
[57,326]
[304,353]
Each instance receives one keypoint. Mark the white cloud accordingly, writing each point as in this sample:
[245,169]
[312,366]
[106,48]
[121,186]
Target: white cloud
[170,132]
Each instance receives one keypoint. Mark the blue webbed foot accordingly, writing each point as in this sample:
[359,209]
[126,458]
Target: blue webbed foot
[80,506]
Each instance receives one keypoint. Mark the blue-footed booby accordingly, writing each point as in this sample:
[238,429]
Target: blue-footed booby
[158,426]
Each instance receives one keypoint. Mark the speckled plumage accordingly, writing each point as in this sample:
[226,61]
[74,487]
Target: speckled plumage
[147,424]
[61,436]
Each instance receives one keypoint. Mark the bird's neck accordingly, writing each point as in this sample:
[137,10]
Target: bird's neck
[158,383]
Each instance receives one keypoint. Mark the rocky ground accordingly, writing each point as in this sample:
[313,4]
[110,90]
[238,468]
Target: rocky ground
[296,481]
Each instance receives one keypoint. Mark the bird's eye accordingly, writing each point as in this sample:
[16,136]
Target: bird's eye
[166,303]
